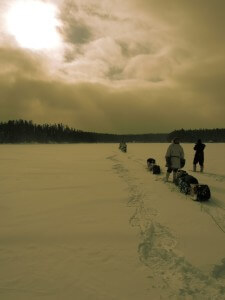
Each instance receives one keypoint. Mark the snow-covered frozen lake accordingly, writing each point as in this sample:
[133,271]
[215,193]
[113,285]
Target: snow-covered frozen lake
[88,222]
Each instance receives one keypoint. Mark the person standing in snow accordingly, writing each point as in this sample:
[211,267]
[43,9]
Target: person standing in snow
[174,158]
[123,146]
[199,155]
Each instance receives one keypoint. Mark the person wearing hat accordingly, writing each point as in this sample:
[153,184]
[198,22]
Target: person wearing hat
[174,158]
[199,155]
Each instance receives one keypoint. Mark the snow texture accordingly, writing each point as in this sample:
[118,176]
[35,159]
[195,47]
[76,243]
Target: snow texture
[88,221]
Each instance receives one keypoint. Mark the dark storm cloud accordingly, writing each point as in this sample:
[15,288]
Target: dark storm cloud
[136,67]
[14,61]
[95,107]
[197,24]
[195,31]
[74,30]
[135,49]
[94,10]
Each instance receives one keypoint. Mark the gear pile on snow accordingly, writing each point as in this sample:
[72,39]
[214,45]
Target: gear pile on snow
[186,183]
[152,166]
[123,147]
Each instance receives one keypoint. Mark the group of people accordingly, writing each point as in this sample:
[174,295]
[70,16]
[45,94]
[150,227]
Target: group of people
[175,157]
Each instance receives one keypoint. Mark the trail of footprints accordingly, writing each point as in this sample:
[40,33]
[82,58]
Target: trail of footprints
[217,177]
[212,208]
[169,270]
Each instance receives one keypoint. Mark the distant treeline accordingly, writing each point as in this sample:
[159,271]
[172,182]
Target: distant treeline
[21,131]
[206,135]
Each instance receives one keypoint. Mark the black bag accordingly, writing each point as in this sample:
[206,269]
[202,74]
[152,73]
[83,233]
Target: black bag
[178,181]
[190,179]
[156,169]
[180,174]
[184,183]
[184,187]
[150,161]
[203,192]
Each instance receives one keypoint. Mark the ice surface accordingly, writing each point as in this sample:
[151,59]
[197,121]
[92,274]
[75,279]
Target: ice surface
[87,221]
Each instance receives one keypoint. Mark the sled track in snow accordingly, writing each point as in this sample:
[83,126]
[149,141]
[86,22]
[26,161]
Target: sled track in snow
[217,177]
[169,270]
[212,208]
[215,211]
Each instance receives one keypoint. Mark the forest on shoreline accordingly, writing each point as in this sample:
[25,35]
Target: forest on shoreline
[22,131]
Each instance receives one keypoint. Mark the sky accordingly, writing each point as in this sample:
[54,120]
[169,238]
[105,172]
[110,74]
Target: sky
[131,66]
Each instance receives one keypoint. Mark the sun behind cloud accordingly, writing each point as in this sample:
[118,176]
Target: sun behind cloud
[33,24]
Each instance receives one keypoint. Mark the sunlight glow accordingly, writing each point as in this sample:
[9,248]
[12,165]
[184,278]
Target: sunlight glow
[33,23]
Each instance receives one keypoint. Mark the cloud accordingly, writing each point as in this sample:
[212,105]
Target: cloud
[97,107]
[13,61]
[133,67]
[74,29]
[195,24]
[106,37]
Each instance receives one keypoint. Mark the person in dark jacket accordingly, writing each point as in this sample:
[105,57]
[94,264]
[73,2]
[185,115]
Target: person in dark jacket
[199,155]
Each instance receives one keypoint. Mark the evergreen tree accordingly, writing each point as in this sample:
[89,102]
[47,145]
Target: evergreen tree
[21,131]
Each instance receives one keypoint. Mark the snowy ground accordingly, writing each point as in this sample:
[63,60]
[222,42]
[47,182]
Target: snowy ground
[88,222]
